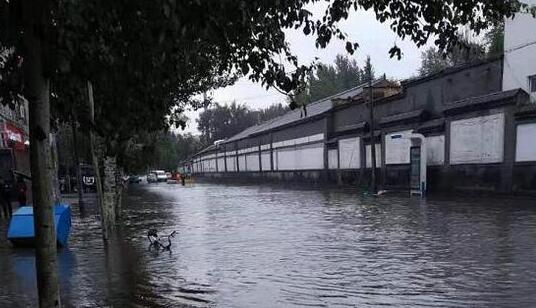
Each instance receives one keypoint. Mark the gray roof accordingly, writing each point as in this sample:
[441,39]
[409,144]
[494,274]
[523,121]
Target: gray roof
[402,116]
[488,101]
[296,115]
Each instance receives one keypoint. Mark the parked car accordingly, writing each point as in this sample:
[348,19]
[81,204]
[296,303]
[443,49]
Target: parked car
[151,178]
[168,175]
[134,179]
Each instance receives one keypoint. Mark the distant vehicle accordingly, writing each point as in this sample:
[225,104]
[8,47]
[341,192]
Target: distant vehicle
[168,175]
[151,178]
[160,175]
[134,179]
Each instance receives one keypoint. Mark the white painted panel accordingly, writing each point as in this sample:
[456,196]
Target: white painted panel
[241,163]
[378,156]
[310,157]
[397,150]
[231,162]
[435,150]
[477,140]
[252,162]
[265,161]
[349,153]
[221,164]
[286,159]
[333,159]
[526,142]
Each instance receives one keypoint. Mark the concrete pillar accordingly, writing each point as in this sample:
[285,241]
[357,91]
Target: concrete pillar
[507,167]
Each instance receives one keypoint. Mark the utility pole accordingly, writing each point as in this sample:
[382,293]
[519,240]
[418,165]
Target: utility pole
[372,142]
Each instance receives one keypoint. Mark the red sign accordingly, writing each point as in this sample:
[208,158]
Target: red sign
[14,135]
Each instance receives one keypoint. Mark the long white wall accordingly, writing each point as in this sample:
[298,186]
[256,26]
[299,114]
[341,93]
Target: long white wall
[520,51]
[475,140]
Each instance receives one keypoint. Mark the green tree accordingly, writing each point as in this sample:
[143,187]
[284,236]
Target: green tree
[494,39]
[344,74]
[433,60]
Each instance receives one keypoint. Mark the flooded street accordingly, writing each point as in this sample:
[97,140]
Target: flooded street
[246,246]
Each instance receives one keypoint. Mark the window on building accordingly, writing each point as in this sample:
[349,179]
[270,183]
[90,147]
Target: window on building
[532,84]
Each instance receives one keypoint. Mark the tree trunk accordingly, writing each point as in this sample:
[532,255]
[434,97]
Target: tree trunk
[95,160]
[109,188]
[119,188]
[54,169]
[37,94]
[77,165]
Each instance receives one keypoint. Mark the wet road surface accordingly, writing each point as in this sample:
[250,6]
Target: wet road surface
[260,246]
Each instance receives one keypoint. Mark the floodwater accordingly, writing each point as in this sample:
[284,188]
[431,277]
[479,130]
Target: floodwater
[264,246]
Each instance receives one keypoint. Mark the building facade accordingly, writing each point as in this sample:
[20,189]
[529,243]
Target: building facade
[14,143]
[478,137]
[519,53]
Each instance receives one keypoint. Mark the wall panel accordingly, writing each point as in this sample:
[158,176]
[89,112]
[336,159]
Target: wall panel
[265,161]
[477,140]
[378,155]
[397,150]
[526,142]
[333,159]
[349,153]
[435,150]
[252,161]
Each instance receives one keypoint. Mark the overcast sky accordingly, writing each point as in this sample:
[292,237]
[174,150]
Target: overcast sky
[375,39]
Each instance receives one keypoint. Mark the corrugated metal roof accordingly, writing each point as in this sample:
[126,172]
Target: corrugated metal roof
[313,109]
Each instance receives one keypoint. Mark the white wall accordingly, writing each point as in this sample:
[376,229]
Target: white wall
[397,150]
[310,157]
[286,159]
[526,142]
[477,140]
[231,163]
[252,161]
[435,150]
[242,163]
[368,157]
[520,57]
[265,161]
[300,158]
[333,160]
[221,164]
[349,153]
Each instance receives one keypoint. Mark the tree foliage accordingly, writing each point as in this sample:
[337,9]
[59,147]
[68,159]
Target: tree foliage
[329,79]
[162,150]
[224,121]
[433,60]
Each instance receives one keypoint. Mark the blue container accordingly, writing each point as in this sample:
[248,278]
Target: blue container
[21,227]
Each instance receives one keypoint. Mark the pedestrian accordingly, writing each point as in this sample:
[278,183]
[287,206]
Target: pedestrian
[5,198]
[21,191]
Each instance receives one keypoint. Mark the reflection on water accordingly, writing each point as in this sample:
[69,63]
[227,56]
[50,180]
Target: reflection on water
[244,246]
